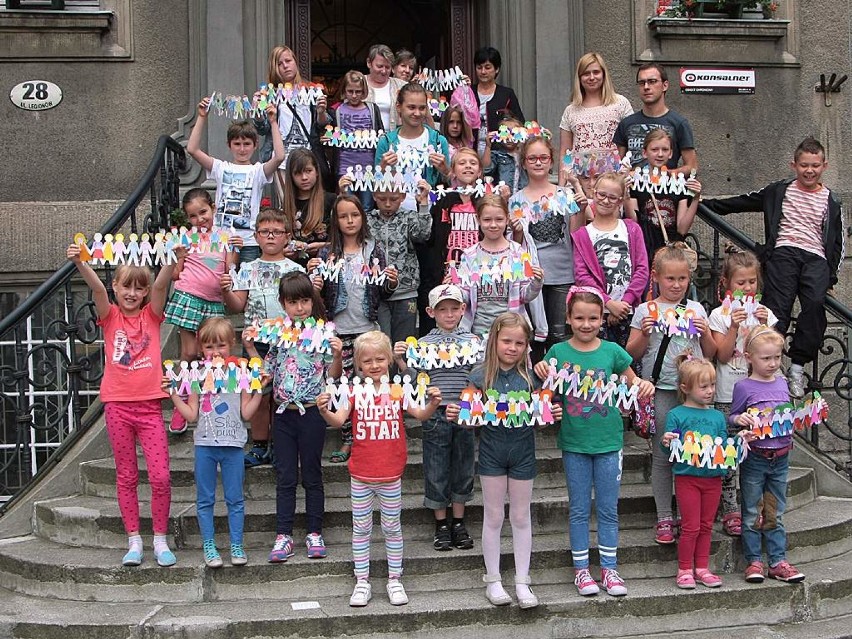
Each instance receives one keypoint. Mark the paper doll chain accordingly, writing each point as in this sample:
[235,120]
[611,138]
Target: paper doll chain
[530,129]
[593,386]
[704,451]
[238,107]
[512,268]
[336,137]
[590,163]
[437,106]
[331,268]
[366,392]
[660,181]
[514,409]
[374,179]
[478,189]
[785,419]
[428,356]
[439,80]
[255,275]
[142,250]
[310,335]
[231,375]
[563,202]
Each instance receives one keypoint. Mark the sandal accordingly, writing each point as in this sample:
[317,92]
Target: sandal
[732,524]
[339,456]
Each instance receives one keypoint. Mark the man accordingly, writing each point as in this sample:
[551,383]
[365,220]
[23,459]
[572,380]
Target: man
[630,134]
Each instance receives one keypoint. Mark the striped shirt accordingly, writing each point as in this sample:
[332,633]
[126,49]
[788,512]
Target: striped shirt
[802,218]
[451,381]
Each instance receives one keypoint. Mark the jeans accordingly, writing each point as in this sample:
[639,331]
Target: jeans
[398,318]
[298,441]
[763,490]
[208,459]
[603,471]
[448,451]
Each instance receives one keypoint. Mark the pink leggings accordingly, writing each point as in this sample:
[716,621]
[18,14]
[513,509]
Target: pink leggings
[125,422]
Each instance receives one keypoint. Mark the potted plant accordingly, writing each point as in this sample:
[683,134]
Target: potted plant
[699,8]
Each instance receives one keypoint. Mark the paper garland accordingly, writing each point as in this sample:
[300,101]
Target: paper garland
[704,451]
[231,375]
[255,275]
[440,80]
[391,179]
[593,162]
[518,134]
[331,268]
[141,250]
[739,300]
[660,181]
[239,107]
[437,106]
[491,270]
[561,203]
[429,356]
[786,419]
[477,189]
[366,392]
[678,320]
[593,386]
[339,138]
[309,335]
[514,409]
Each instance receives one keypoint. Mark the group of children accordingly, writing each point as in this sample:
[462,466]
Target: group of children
[588,269]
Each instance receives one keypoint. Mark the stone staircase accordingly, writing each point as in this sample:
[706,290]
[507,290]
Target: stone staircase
[65,580]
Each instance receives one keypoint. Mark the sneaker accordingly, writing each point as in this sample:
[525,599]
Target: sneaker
[707,578]
[796,384]
[396,593]
[783,571]
[685,580]
[362,594]
[211,555]
[612,582]
[664,532]
[585,584]
[165,558]
[282,550]
[238,555]
[258,456]
[132,558]
[316,546]
[461,538]
[754,572]
[178,424]
[443,538]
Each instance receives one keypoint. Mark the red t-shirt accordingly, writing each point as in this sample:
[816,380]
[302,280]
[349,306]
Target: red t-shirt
[134,366]
[379,450]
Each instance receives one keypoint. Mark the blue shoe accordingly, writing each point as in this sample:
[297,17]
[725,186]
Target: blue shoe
[166,558]
[132,558]
[238,555]
[211,555]
[258,456]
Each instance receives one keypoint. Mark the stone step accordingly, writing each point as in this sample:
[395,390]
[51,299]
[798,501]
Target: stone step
[96,521]
[33,565]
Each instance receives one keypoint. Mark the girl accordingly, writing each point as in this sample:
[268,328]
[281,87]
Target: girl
[352,303]
[308,204]
[506,458]
[592,440]
[494,100]
[298,429]
[547,234]
[456,130]
[609,254]
[740,272]
[378,460]
[486,301]
[763,474]
[501,160]
[663,217]
[219,440]
[697,488]
[670,271]
[131,391]
[198,292]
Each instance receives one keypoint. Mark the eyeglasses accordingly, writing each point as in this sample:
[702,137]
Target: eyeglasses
[609,197]
[275,233]
[538,159]
[649,82]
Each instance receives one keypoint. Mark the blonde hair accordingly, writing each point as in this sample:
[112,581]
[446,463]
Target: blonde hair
[608,93]
[353,77]
[129,274]
[491,364]
[491,199]
[611,176]
[216,329]
[762,334]
[465,151]
[673,252]
[272,69]
[736,259]
[691,371]
[657,134]
[375,340]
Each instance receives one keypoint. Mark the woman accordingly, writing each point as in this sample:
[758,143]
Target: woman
[300,124]
[591,118]
[405,65]
[382,88]
[493,100]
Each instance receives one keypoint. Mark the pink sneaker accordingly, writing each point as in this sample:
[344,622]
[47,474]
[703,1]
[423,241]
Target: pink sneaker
[612,582]
[178,424]
[783,571]
[664,532]
[585,584]
[707,578]
[754,572]
[685,580]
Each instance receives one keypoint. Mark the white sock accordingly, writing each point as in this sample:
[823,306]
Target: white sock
[797,369]
[161,544]
[134,543]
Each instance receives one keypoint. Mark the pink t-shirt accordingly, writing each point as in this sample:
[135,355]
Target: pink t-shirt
[802,216]
[134,368]
[200,275]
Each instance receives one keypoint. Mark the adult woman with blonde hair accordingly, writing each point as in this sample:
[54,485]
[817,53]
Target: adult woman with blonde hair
[381,87]
[590,119]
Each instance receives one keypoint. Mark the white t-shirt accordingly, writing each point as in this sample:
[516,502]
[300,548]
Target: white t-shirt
[382,99]
[239,189]
[421,142]
[737,368]
[351,320]
[613,251]
[483,122]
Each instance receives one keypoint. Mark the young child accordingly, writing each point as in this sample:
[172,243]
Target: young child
[457,131]
[308,204]
[131,391]
[670,271]
[448,449]
[676,211]
[351,302]
[198,293]
[803,251]
[740,272]
[609,254]
[592,440]
[298,429]
[219,440]
[239,183]
[507,463]
[378,460]
[274,230]
[763,474]
[485,301]
[698,489]
[502,159]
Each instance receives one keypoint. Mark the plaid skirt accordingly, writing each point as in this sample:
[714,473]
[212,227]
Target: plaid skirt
[187,311]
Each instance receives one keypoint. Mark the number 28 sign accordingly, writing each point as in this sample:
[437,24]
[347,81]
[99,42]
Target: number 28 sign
[35,95]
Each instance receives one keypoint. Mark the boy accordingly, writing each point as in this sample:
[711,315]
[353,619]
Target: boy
[447,447]
[239,184]
[803,222]
[274,230]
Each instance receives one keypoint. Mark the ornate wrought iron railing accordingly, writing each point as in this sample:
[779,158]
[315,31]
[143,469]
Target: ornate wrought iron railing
[51,352]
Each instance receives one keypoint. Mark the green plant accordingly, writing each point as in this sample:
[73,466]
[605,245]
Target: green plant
[178,218]
[695,8]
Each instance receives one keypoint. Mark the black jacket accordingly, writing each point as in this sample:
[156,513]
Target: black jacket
[503,101]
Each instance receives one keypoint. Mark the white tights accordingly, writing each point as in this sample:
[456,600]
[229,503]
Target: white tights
[494,490]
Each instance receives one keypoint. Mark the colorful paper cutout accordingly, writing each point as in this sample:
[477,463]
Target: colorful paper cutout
[255,275]
[678,320]
[331,269]
[786,419]
[561,203]
[437,106]
[142,250]
[428,356]
[485,270]
[593,385]
[739,300]
[593,162]
[366,392]
[229,375]
[517,134]
[704,451]
[439,80]
[514,409]
[309,335]
[336,137]
[660,181]
[374,178]
[240,107]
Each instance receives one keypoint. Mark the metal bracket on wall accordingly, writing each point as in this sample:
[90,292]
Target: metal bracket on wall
[827,88]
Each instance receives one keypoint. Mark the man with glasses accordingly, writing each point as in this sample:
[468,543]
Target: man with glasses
[630,135]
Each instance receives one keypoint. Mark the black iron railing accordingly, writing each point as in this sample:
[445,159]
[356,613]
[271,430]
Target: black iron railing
[51,351]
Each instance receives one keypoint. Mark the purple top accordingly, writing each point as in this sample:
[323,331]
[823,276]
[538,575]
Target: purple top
[352,120]
[750,393]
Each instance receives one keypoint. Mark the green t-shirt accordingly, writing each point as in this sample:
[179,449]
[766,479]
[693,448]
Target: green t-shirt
[590,427]
[707,421]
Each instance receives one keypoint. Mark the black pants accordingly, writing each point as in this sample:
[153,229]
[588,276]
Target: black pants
[789,272]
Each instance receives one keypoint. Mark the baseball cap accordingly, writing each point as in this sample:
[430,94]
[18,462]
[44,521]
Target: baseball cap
[445,292]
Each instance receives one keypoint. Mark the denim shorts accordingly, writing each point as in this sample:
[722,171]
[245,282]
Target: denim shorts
[507,451]
[448,461]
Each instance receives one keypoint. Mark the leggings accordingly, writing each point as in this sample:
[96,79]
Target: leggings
[125,423]
[364,495]
[661,467]
[494,491]
[697,501]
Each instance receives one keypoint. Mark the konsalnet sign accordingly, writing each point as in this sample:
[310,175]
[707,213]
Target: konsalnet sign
[717,81]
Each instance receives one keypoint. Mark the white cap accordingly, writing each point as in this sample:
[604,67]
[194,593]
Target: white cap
[445,292]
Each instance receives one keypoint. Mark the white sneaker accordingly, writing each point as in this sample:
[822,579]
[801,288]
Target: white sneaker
[362,594]
[796,384]
[396,593]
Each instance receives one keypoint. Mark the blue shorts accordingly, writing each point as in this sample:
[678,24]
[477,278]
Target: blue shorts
[507,451]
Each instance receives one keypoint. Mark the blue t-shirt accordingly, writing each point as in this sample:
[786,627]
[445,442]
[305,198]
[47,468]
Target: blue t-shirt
[709,422]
